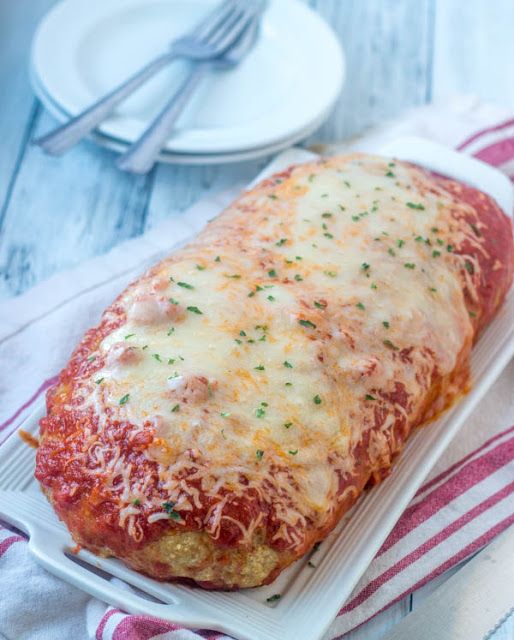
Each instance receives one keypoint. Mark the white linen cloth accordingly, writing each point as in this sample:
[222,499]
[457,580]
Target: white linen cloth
[468,498]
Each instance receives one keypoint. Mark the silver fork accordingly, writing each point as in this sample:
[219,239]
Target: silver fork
[207,40]
[141,156]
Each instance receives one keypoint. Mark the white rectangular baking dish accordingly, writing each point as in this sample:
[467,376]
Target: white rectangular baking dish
[314,588]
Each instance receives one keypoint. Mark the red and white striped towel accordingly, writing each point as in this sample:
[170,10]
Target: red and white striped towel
[467,500]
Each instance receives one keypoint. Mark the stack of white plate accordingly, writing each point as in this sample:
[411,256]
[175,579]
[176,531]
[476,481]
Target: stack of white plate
[276,97]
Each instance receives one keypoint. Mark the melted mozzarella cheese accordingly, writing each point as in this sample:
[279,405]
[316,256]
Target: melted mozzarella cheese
[291,307]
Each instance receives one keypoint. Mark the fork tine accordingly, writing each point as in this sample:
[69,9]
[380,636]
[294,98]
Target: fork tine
[214,19]
[223,38]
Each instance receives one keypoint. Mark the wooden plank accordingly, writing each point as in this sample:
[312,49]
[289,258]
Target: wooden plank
[175,188]
[388,46]
[17,106]
[474,49]
[64,210]
[378,626]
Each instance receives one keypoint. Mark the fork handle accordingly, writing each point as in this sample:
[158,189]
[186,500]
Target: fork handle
[62,138]
[140,156]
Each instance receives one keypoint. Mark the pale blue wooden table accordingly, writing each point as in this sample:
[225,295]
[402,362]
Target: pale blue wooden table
[55,213]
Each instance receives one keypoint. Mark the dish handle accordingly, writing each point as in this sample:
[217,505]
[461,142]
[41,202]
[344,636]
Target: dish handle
[54,554]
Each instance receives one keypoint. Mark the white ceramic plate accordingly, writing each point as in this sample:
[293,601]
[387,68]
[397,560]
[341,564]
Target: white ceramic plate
[171,157]
[314,588]
[290,80]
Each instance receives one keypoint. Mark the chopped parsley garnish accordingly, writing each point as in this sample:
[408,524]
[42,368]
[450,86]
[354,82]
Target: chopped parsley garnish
[195,310]
[176,408]
[355,218]
[330,274]
[433,289]
[347,184]
[217,259]
[415,205]
[368,396]
[275,597]
[409,265]
[328,235]
[327,214]
[157,357]
[281,242]
[307,323]
[234,276]
[317,399]
[440,242]
[472,314]
[293,453]
[200,267]
[418,238]
[259,453]
[100,380]
[225,414]
[298,277]
[373,285]
[391,252]
[390,174]
[449,248]
[400,243]
[185,285]
[168,507]
[129,335]
[136,502]
[288,384]
[124,399]
[390,345]
[260,412]
[287,364]
[288,424]
[173,301]
[259,367]
[272,273]
[170,331]
[469,267]
[171,360]
[91,358]
[242,333]
[365,266]
[271,298]
[435,253]
[359,305]
[319,305]
[386,324]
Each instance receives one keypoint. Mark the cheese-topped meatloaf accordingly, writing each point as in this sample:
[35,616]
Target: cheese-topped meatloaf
[234,401]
